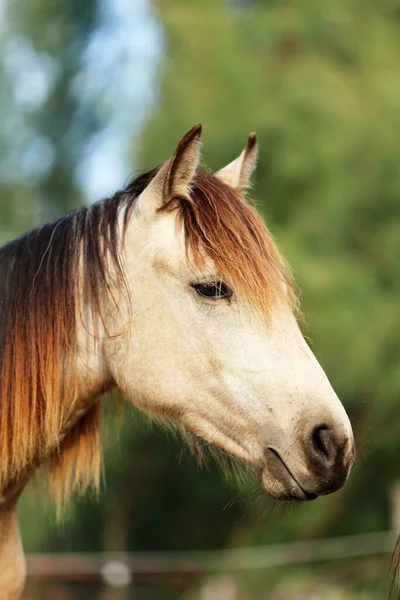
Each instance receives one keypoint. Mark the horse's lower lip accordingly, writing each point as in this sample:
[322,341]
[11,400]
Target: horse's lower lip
[292,490]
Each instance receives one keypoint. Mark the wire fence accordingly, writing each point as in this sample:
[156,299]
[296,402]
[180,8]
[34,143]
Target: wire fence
[119,569]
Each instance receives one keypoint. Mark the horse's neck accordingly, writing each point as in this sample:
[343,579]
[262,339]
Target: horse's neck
[89,371]
[90,389]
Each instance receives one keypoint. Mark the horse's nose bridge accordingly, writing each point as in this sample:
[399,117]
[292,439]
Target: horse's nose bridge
[291,383]
[308,385]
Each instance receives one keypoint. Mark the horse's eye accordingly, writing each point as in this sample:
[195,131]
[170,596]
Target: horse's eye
[213,291]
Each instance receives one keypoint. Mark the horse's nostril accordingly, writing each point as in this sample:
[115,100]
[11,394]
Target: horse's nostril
[329,456]
[323,443]
[319,440]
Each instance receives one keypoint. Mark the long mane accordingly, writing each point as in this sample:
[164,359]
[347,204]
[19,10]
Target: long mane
[41,276]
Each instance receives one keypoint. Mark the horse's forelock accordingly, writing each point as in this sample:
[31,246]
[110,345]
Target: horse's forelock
[222,224]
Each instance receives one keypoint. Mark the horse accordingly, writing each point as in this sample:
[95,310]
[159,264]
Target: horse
[174,292]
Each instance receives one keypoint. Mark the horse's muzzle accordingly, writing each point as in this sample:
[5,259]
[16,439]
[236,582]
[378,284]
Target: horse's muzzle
[325,462]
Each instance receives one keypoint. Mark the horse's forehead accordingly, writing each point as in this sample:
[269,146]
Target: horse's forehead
[166,244]
[168,248]
[165,238]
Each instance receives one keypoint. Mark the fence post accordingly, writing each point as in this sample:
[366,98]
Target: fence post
[395,507]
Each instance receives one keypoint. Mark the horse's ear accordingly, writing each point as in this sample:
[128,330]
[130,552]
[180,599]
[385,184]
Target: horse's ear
[174,178]
[238,173]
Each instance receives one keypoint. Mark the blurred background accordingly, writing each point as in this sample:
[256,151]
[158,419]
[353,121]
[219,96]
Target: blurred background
[93,92]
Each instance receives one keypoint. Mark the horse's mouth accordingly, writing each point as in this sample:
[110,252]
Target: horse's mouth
[280,483]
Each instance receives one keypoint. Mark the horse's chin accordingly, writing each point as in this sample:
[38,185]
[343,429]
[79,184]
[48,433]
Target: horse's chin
[276,478]
[281,484]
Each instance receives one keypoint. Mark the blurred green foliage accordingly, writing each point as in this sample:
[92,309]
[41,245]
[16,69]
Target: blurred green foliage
[319,83]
